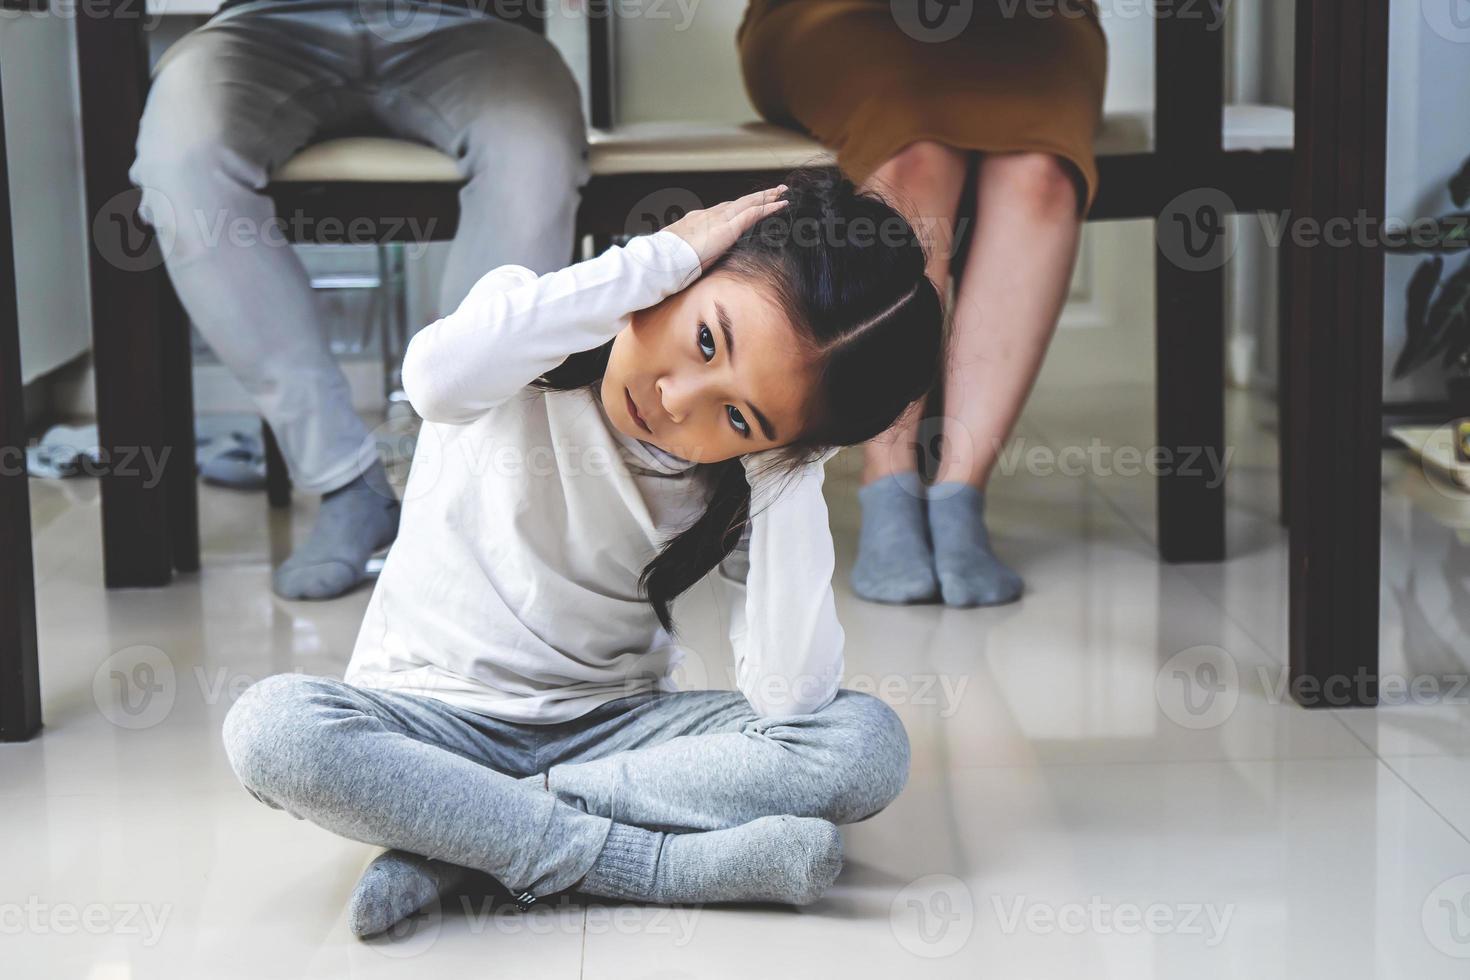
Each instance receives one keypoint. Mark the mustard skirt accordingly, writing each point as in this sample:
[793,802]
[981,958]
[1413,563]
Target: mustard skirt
[868,77]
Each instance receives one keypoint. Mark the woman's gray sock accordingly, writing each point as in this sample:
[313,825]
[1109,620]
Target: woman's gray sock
[969,572]
[397,885]
[791,860]
[894,562]
[354,521]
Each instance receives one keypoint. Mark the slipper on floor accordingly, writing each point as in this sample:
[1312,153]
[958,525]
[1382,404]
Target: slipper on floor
[239,468]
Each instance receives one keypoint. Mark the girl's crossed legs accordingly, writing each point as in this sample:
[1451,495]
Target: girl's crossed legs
[749,801]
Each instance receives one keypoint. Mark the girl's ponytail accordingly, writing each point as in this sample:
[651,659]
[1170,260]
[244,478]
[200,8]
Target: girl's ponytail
[694,551]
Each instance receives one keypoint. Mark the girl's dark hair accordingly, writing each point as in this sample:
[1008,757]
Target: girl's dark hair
[848,272]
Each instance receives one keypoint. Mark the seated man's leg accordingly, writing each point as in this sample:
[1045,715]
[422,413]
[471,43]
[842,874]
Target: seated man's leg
[502,102]
[230,103]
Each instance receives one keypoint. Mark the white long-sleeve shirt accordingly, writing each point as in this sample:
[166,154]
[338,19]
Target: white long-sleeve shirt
[512,589]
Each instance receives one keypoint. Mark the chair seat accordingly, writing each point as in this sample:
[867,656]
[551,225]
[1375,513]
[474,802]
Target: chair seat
[665,147]
[369,159]
[675,147]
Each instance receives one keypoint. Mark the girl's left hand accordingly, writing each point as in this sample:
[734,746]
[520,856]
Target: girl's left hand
[712,231]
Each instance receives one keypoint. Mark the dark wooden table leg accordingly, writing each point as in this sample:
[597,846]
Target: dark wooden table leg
[181,472]
[129,336]
[20,685]
[1190,339]
[1285,260]
[1336,352]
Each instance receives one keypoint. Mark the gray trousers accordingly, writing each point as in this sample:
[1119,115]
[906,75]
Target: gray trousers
[411,772]
[235,99]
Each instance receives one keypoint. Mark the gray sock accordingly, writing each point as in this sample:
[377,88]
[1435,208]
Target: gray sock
[354,521]
[894,562]
[791,860]
[969,572]
[396,886]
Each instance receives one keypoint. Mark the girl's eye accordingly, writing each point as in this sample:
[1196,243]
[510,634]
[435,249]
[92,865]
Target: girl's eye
[707,348]
[738,421]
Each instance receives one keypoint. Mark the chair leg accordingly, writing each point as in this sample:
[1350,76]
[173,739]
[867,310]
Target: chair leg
[277,474]
[1190,407]
[393,333]
[180,471]
[20,685]
[1189,100]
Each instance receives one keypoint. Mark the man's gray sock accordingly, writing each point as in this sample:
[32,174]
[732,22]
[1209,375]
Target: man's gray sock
[969,572]
[791,860]
[354,521]
[895,563]
[397,885]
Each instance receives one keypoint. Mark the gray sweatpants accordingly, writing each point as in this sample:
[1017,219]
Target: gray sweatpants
[411,772]
[235,99]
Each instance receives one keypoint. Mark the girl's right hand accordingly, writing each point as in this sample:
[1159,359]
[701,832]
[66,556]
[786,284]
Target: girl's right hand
[712,231]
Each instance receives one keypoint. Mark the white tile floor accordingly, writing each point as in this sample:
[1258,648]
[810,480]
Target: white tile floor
[1075,810]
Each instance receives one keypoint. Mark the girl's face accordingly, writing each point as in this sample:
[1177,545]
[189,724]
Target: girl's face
[710,373]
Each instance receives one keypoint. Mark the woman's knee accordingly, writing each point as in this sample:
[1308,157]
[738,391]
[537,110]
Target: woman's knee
[924,163]
[924,180]
[1041,181]
[865,762]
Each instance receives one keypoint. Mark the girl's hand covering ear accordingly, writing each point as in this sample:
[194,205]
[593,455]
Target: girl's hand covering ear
[769,476]
[712,231]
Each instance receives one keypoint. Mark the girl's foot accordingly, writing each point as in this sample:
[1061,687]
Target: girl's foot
[969,572]
[894,563]
[791,860]
[397,885]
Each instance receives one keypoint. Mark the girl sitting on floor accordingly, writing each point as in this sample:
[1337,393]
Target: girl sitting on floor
[596,440]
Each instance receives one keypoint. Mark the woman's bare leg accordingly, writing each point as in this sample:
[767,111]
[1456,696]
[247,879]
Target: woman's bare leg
[895,562]
[923,181]
[1010,295]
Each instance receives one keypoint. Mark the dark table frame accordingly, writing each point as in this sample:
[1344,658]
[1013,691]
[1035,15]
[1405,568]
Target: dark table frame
[1331,375]
[148,532]
[1334,356]
[20,684]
